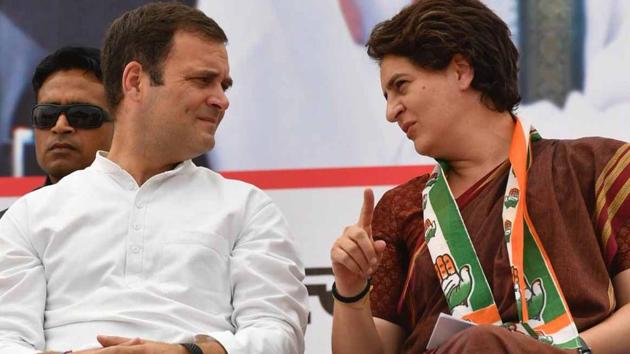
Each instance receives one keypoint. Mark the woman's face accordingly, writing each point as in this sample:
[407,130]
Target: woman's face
[423,102]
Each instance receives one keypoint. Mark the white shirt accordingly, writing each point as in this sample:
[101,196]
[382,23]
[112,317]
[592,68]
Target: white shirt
[188,252]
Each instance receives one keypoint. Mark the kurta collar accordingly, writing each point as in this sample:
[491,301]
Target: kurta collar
[122,177]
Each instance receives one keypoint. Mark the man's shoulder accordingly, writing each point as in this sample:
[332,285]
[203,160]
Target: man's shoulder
[212,176]
[51,195]
[228,185]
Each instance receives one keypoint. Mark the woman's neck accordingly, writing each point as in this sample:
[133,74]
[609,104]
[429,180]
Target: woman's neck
[482,151]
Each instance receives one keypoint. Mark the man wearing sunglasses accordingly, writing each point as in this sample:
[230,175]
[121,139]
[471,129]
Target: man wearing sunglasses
[69,120]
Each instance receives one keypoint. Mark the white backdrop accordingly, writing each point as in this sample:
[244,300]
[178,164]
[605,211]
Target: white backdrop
[306,95]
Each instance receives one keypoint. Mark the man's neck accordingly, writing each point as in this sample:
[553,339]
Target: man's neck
[138,159]
[51,180]
[139,168]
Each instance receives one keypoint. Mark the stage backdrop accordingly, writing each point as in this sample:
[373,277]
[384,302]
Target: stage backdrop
[307,117]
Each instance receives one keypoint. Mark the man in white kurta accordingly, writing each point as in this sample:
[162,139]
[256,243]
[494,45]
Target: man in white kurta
[188,252]
[144,249]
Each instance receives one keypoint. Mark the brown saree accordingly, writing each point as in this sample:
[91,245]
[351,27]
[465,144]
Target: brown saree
[578,200]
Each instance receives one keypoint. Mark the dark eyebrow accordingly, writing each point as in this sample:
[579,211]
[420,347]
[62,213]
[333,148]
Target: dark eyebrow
[393,79]
[206,74]
[211,74]
[227,83]
[67,103]
[390,83]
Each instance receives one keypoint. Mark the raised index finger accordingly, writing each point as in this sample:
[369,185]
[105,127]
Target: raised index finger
[367,210]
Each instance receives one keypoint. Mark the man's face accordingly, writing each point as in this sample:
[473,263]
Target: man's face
[183,114]
[63,149]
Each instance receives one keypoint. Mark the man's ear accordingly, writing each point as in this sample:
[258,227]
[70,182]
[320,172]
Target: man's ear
[463,70]
[132,80]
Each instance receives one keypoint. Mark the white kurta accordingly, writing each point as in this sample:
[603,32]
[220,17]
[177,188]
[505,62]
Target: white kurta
[188,252]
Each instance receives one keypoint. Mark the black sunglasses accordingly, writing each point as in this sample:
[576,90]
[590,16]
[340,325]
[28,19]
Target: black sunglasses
[80,116]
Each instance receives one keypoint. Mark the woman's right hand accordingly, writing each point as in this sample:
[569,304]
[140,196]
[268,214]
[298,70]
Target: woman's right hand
[355,255]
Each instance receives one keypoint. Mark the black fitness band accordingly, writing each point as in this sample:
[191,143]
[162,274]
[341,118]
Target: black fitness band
[351,299]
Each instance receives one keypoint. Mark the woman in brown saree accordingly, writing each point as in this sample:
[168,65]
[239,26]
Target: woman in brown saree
[526,237]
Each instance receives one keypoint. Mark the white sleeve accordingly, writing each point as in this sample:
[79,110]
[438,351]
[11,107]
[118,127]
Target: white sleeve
[22,288]
[268,296]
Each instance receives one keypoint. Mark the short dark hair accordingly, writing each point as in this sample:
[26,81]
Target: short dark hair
[145,34]
[67,58]
[430,32]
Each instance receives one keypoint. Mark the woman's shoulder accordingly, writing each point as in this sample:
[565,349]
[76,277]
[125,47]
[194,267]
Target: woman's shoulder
[589,155]
[398,214]
[408,191]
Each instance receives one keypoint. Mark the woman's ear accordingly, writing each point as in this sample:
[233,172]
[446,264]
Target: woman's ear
[463,70]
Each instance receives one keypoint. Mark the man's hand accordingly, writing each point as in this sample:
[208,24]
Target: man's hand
[122,345]
[355,255]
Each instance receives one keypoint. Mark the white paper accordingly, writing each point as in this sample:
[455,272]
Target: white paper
[445,327]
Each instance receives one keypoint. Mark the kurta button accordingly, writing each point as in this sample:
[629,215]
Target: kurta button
[139,205]
[135,249]
[136,227]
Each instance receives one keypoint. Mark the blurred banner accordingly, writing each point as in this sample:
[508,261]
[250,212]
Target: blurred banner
[307,115]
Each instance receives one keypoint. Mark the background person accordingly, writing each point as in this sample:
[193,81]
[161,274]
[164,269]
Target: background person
[71,122]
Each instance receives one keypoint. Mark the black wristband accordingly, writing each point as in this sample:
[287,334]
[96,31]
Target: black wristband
[351,299]
[584,348]
[192,348]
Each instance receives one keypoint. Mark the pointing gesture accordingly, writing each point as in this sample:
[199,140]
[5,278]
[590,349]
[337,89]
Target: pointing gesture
[367,211]
[355,255]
